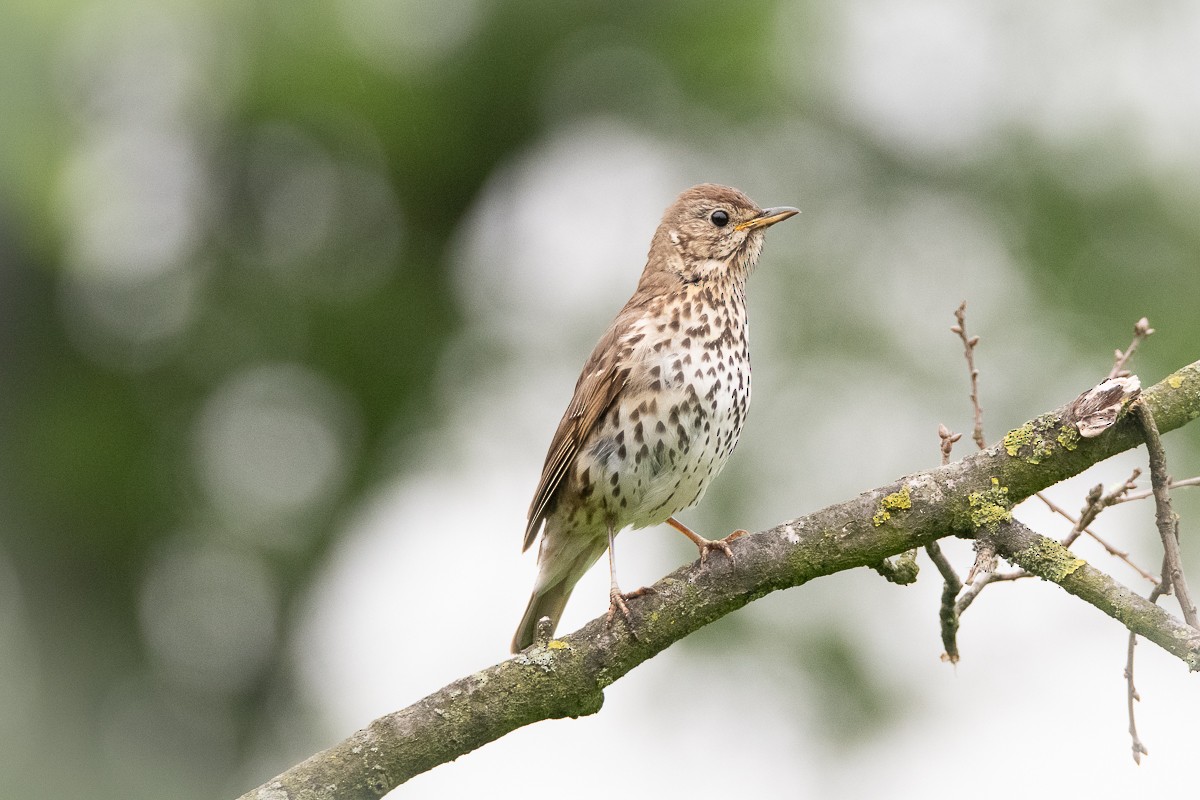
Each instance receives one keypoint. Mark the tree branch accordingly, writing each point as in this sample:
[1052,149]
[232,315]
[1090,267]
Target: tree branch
[1166,519]
[566,677]
[1048,559]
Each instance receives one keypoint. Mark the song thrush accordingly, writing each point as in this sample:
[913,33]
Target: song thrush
[660,403]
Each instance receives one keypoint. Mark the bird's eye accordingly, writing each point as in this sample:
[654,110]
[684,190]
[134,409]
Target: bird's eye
[719,218]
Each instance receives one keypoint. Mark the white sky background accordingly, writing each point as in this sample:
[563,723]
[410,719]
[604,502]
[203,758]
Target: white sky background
[429,583]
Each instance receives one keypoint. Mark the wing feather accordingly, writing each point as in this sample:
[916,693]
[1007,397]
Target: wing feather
[603,378]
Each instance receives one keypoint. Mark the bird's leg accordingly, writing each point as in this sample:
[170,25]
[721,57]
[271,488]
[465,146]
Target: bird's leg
[707,545]
[617,598]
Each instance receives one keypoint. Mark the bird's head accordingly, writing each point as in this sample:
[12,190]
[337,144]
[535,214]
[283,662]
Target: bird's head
[712,233]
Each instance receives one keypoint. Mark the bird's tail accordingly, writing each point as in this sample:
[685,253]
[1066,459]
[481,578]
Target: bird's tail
[561,567]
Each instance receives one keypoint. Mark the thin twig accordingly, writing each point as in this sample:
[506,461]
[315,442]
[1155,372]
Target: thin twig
[968,597]
[1097,501]
[1129,498]
[948,615]
[1131,693]
[1091,509]
[1166,519]
[969,343]
[1131,697]
[951,583]
[1108,547]
[1141,331]
[985,554]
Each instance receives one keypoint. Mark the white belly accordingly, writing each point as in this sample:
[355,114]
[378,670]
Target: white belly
[673,442]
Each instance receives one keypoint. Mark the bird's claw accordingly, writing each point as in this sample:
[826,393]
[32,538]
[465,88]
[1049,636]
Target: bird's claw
[707,546]
[616,602]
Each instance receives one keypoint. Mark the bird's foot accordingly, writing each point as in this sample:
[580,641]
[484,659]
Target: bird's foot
[616,603]
[707,546]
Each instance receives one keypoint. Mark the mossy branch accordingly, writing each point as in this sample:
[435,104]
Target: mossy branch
[1048,559]
[566,677]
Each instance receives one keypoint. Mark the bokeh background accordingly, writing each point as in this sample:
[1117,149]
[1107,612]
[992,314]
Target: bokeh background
[292,296]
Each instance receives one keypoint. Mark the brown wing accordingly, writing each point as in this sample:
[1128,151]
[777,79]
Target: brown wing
[604,376]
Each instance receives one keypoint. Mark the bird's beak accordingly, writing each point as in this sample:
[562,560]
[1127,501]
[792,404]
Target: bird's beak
[767,218]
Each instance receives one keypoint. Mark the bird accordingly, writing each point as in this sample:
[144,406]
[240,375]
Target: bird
[659,405]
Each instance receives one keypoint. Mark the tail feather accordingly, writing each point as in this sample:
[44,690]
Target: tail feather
[557,577]
[549,603]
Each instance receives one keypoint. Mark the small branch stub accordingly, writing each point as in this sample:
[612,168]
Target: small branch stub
[1099,408]
[545,630]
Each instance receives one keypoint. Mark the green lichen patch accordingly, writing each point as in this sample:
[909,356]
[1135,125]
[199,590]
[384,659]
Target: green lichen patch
[1036,441]
[1026,444]
[1069,437]
[1185,392]
[894,502]
[1020,437]
[991,507]
[1048,559]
